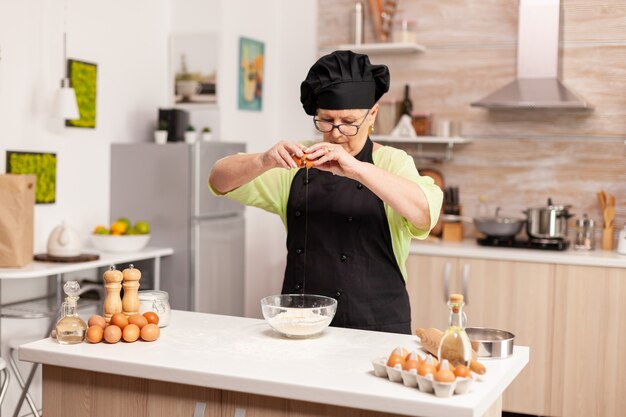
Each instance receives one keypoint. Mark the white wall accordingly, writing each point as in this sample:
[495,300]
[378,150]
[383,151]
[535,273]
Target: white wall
[128,42]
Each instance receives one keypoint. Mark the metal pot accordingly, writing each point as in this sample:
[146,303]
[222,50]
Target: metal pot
[499,226]
[547,222]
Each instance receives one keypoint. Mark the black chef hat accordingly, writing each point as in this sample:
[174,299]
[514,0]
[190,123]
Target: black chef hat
[343,80]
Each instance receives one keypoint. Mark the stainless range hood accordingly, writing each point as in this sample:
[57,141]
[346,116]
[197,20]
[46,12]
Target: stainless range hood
[537,84]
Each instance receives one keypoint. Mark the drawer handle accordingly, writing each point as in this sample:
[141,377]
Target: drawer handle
[466,275]
[199,411]
[240,412]
[446,281]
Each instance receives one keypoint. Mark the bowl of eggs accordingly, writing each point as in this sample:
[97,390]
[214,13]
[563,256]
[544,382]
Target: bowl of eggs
[298,315]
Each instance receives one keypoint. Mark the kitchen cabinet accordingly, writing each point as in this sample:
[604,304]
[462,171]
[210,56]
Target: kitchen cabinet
[588,359]
[569,315]
[514,296]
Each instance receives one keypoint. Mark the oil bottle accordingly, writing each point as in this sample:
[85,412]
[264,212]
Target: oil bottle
[70,328]
[455,344]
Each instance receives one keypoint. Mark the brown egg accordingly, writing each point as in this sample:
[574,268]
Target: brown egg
[150,332]
[94,334]
[444,375]
[131,333]
[412,361]
[462,371]
[96,320]
[152,317]
[425,368]
[119,320]
[398,356]
[112,334]
[138,319]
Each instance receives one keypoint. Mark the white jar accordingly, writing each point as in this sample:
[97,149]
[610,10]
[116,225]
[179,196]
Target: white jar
[157,301]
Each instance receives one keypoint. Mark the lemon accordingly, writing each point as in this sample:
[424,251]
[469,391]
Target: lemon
[99,229]
[142,228]
[118,228]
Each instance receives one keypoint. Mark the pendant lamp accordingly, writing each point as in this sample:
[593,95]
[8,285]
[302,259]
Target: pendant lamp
[66,106]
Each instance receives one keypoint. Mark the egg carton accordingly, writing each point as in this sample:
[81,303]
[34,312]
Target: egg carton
[423,383]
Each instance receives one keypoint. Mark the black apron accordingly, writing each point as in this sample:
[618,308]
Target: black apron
[349,255]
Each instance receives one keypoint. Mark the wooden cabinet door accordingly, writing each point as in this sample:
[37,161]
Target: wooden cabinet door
[588,356]
[429,283]
[518,297]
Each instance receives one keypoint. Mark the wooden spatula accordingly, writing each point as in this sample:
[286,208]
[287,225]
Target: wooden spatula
[430,339]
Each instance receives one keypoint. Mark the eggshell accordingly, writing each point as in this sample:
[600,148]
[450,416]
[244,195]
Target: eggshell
[150,332]
[112,334]
[131,333]
[96,320]
[119,320]
[95,334]
[397,357]
[138,320]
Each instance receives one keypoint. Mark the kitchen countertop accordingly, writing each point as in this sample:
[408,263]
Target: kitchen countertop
[242,354]
[470,249]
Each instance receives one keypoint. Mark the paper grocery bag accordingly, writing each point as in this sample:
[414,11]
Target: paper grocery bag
[17,210]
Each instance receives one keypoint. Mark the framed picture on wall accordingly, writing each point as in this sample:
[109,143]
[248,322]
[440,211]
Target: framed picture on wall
[84,79]
[193,68]
[251,63]
[43,166]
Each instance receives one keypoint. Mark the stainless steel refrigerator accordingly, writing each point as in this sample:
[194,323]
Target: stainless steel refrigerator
[167,185]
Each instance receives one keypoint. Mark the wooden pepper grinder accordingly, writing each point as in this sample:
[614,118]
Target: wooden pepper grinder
[113,286]
[130,303]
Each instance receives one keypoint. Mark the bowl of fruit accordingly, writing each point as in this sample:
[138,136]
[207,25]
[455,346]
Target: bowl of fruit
[122,236]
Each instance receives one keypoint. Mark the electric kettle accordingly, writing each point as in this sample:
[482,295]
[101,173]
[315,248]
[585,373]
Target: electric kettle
[64,242]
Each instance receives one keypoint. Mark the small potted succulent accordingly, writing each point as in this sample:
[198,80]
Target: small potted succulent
[191,135]
[160,135]
[207,135]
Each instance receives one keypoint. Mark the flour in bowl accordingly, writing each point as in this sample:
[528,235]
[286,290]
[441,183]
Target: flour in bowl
[300,322]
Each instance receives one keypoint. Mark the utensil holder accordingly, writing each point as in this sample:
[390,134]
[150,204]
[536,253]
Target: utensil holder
[607,238]
[452,231]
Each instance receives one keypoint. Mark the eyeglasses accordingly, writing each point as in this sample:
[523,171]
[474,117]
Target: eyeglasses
[345,129]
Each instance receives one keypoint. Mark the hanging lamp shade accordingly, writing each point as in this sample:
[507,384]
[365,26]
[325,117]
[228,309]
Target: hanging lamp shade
[66,105]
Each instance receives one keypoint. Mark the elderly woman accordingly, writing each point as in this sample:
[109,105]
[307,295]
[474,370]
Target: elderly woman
[351,217]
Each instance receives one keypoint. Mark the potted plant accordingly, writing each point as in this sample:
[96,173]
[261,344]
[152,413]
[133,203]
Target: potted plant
[206,134]
[190,134]
[160,135]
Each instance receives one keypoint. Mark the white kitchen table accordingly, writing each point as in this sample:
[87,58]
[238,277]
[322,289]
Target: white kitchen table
[228,365]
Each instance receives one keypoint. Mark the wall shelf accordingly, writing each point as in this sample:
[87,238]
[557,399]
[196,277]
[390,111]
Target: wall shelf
[428,140]
[384,48]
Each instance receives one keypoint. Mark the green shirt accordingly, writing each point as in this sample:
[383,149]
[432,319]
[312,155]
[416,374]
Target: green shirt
[270,192]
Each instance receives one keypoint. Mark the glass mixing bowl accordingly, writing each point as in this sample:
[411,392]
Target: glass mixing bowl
[298,315]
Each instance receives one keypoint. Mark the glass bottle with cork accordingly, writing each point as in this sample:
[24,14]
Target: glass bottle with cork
[455,344]
[70,328]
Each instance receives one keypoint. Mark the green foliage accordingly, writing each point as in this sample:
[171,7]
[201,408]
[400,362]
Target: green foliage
[162,125]
[190,128]
[83,77]
[43,165]
[206,130]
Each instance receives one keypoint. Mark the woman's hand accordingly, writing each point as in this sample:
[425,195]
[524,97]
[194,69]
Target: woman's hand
[333,158]
[279,155]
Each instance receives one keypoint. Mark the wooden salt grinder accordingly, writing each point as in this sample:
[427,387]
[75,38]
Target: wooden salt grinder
[112,286]
[130,303]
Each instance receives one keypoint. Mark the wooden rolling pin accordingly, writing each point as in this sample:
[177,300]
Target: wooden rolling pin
[430,339]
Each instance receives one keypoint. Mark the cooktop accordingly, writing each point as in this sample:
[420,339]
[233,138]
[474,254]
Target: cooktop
[511,242]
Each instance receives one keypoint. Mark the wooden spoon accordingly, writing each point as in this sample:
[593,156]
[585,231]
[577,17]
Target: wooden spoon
[609,216]
[602,200]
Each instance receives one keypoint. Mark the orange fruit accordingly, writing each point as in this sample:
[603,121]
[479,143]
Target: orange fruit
[119,228]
